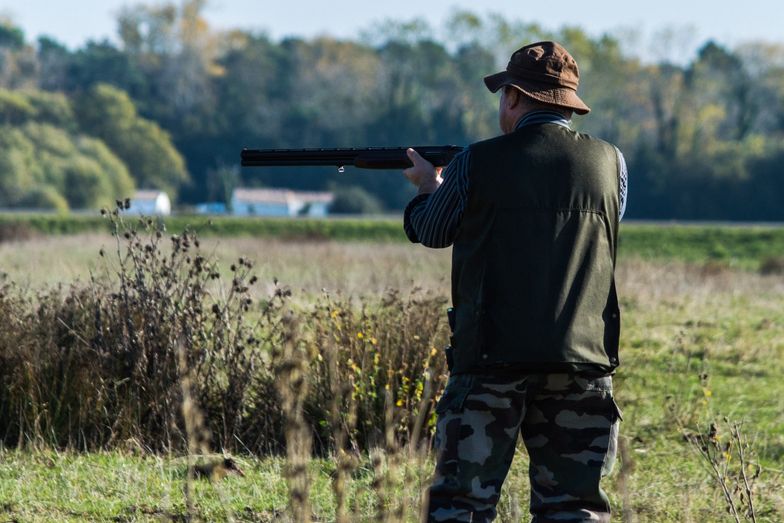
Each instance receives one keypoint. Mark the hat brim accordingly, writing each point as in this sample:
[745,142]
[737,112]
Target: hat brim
[559,96]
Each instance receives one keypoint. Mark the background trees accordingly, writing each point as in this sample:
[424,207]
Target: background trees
[48,162]
[174,101]
[108,113]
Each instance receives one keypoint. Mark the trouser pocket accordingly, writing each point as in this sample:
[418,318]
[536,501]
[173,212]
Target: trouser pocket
[612,443]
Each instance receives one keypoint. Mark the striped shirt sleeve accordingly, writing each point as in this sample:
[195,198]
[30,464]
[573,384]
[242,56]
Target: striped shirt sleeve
[433,219]
[623,183]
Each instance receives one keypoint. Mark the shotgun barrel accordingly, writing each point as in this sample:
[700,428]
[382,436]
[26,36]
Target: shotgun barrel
[367,158]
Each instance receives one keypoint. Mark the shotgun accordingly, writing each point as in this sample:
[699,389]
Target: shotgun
[368,158]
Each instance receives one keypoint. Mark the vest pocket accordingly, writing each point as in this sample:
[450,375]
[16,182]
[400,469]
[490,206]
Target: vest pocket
[612,444]
[455,393]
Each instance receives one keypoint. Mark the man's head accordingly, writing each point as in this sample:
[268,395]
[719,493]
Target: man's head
[545,74]
[513,105]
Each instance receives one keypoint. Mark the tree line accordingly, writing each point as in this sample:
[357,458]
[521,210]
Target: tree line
[171,102]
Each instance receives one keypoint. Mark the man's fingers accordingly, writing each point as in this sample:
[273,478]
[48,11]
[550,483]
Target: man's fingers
[417,159]
[413,155]
[421,173]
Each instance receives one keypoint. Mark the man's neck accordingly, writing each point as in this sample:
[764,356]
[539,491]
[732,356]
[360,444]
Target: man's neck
[542,115]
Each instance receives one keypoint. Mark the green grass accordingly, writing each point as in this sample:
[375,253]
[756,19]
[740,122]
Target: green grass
[116,486]
[741,246]
[697,347]
[342,229]
[45,486]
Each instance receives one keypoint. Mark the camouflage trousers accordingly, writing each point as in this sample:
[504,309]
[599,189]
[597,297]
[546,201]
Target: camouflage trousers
[569,425]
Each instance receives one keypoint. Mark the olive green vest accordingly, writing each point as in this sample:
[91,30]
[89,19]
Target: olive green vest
[533,263]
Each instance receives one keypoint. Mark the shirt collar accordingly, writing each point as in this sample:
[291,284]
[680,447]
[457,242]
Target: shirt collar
[543,116]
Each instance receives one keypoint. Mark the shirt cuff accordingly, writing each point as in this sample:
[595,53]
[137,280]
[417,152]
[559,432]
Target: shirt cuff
[408,227]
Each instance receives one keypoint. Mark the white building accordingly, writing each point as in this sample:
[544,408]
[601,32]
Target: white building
[150,203]
[280,202]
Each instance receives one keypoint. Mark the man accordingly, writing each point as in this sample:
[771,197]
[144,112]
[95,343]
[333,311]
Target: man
[533,219]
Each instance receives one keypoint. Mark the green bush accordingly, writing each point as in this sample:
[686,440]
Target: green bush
[43,198]
[85,185]
[43,158]
[354,200]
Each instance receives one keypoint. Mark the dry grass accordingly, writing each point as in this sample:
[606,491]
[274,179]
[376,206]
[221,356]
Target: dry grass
[361,268]
[358,268]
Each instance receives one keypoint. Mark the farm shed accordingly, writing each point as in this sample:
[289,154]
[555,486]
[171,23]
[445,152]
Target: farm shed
[150,203]
[280,202]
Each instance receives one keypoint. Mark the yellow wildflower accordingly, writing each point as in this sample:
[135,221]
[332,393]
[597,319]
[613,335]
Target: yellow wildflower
[360,335]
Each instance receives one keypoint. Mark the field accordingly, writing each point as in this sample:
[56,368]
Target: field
[702,359]
[745,246]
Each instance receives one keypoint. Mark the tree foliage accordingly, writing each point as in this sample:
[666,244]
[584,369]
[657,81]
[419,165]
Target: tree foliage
[109,114]
[175,100]
[47,163]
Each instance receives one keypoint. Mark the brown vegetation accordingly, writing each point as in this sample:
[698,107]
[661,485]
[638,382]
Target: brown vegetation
[90,366]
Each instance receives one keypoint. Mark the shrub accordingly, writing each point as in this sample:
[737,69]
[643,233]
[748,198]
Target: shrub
[354,200]
[92,366]
[772,265]
[11,231]
[43,197]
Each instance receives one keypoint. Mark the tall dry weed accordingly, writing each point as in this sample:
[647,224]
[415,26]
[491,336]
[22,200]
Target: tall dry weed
[94,365]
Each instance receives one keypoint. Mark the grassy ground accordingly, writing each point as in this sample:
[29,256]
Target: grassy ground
[737,246]
[702,344]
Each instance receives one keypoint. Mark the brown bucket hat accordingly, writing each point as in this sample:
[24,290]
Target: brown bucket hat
[544,71]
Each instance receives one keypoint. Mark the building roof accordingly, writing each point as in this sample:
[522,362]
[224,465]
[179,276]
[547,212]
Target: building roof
[146,194]
[281,196]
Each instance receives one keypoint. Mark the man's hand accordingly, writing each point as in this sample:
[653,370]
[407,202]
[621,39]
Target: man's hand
[426,177]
